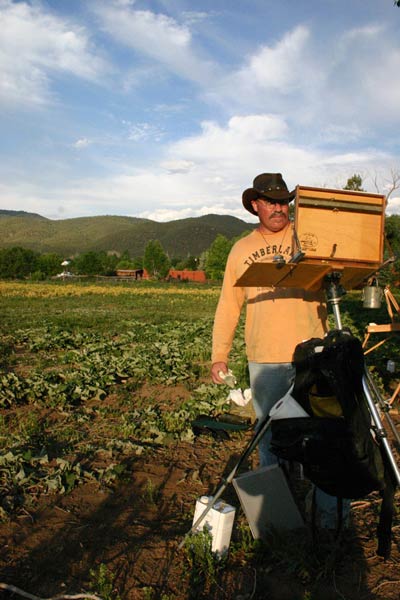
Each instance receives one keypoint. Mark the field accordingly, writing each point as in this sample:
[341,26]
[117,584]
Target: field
[100,467]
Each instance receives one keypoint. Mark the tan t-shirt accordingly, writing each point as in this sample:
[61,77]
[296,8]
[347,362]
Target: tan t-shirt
[277,319]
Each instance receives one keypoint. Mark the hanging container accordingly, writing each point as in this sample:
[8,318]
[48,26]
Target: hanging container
[372,295]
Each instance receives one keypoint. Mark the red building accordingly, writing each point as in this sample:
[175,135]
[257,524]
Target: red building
[185,275]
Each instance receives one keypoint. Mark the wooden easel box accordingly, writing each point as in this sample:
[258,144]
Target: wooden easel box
[340,227]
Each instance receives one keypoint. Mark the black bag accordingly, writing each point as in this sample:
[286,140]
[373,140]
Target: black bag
[338,450]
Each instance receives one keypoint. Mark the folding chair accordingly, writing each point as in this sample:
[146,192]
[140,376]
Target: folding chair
[389,328]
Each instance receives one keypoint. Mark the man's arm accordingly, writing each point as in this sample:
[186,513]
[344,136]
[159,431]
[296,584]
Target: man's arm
[226,318]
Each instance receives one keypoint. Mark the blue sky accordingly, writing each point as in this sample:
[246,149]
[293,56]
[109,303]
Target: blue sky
[168,109]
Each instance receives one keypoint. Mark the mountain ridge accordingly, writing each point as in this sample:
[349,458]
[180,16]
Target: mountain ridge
[113,233]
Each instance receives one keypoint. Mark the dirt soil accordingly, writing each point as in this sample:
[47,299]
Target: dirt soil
[135,529]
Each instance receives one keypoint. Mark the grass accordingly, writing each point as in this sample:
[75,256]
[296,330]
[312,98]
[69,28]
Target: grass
[101,307]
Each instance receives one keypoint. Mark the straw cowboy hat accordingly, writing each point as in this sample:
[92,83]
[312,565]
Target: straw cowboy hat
[270,186]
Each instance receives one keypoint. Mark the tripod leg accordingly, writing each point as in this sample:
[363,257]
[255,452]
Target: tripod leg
[393,428]
[380,431]
[385,407]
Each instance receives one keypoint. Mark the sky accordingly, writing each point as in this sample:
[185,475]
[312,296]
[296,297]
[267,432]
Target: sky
[168,109]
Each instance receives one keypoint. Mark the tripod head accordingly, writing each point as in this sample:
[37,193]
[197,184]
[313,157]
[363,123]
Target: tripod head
[333,288]
[334,291]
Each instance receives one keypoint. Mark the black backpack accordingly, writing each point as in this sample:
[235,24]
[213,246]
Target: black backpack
[337,444]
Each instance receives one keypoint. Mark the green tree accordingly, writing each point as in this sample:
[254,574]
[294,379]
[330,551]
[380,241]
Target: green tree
[203,260]
[49,264]
[217,255]
[354,183]
[392,233]
[17,262]
[109,263]
[124,261]
[89,263]
[155,260]
[138,262]
[190,263]
[125,264]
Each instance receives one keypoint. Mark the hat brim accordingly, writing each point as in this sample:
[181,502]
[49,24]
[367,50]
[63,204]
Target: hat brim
[252,194]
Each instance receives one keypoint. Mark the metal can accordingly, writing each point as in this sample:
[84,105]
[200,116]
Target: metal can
[391,366]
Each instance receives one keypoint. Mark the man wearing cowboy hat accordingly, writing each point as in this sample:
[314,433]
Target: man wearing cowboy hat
[277,319]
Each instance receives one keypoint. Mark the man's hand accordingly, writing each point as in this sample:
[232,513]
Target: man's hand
[215,368]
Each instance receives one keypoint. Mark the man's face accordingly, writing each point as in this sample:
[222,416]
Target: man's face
[273,216]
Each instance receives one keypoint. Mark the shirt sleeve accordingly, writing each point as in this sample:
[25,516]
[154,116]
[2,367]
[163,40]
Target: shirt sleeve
[227,314]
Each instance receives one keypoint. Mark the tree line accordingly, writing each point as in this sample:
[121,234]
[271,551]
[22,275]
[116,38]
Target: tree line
[22,263]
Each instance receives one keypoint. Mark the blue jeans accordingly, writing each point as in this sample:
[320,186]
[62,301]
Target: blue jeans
[269,382]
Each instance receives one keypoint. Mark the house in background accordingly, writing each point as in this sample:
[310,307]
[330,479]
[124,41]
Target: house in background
[135,273]
[185,275]
[173,274]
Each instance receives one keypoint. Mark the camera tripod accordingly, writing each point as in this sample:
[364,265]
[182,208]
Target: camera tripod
[334,292]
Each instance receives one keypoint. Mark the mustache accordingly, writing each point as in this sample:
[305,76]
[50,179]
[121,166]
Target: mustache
[277,214]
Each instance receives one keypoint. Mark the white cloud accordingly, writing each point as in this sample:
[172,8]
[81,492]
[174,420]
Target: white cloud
[177,166]
[320,83]
[368,31]
[275,77]
[139,132]
[393,207]
[361,80]
[165,215]
[81,143]
[202,174]
[336,133]
[34,45]
[191,17]
[219,145]
[281,66]
[124,2]
[157,37]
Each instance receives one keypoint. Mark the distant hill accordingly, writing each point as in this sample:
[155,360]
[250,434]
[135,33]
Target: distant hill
[69,237]
[19,213]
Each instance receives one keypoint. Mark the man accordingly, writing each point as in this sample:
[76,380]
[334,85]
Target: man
[277,319]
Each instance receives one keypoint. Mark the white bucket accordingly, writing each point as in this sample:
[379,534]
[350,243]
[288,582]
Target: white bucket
[218,521]
[287,408]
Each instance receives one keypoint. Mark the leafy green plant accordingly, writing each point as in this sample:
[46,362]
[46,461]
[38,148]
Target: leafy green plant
[6,351]
[244,542]
[102,582]
[149,593]
[203,564]
[151,493]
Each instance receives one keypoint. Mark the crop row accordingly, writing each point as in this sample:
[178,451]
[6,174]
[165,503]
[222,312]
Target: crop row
[72,373]
[90,364]
[50,290]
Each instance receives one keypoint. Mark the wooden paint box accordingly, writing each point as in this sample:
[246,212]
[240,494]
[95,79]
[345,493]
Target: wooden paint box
[339,227]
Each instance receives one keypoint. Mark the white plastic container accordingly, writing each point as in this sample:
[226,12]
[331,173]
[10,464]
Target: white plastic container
[218,521]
